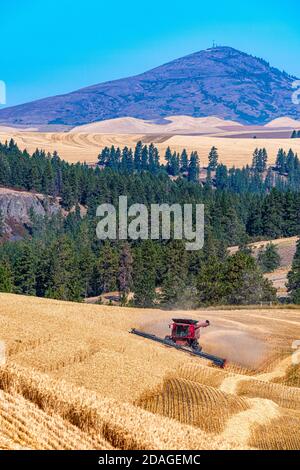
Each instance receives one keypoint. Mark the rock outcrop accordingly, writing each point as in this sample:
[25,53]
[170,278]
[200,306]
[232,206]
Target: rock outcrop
[16,208]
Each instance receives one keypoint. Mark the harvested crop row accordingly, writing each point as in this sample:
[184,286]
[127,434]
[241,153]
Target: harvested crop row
[291,377]
[201,374]
[192,403]
[283,433]
[106,417]
[286,397]
[9,444]
[58,353]
[24,424]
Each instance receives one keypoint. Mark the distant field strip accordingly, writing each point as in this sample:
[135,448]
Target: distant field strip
[85,147]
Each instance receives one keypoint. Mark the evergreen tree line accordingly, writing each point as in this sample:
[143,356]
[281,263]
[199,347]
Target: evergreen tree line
[258,177]
[62,259]
[295,134]
[82,184]
[233,212]
[147,158]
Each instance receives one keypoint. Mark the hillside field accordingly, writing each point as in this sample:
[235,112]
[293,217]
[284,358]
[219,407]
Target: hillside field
[85,147]
[74,377]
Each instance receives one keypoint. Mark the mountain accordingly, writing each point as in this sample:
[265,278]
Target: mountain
[221,82]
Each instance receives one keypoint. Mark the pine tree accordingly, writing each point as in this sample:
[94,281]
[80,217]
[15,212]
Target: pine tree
[281,162]
[175,279]
[64,279]
[108,268]
[293,284]
[25,270]
[194,167]
[118,155]
[127,160]
[259,161]
[5,171]
[294,135]
[255,159]
[152,158]
[210,283]
[184,161]
[6,277]
[35,174]
[138,156]
[232,227]
[269,180]
[125,272]
[124,159]
[145,158]
[156,160]
[272,215]
[244,283]
[144,278]
[67,195]
[221,177]
[290,162]
[85,255]
[208,181]
[268,259]
[103,157]
[213,158]
[174,165]
[48,180]
[264,160]
[168,160]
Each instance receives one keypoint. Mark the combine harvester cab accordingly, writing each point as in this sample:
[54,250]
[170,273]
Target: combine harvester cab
[184,336]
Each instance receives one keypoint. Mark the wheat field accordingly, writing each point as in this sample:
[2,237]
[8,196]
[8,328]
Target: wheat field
[85,147]
[73,377]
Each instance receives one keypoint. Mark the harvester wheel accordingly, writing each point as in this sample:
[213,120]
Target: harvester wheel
[196,346]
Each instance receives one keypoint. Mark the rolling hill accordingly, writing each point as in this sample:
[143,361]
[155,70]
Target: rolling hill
[171,125]
[221,81]
[284,122]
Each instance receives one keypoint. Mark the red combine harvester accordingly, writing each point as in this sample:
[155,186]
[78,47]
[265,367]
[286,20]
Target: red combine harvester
[184,336]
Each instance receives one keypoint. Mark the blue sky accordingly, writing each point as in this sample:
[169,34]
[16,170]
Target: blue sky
[53,47]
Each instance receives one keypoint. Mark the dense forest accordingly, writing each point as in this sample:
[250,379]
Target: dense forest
[62,258]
